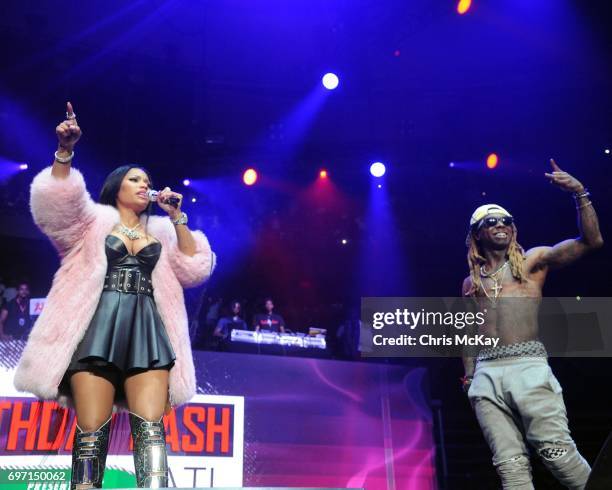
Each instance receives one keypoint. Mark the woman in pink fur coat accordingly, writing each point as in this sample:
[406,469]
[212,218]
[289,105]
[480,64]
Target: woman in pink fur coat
[114,327]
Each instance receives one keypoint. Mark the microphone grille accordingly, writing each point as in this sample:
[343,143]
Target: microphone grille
[152,195]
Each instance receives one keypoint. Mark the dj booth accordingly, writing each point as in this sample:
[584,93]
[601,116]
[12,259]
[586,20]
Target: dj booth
[300,340]
[298,344]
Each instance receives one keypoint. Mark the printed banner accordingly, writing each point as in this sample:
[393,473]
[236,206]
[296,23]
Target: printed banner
[205,441]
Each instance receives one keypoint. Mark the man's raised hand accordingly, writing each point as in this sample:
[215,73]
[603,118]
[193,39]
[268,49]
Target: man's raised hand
[563,180]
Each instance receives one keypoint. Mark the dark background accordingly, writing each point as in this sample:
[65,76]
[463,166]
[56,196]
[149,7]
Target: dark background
[202,90]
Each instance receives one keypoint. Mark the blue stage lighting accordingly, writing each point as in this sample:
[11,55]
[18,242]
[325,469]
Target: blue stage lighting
[330,81]
[186,182]
[377,169]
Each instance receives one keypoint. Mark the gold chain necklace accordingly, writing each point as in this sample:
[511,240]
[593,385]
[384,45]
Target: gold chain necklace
[497,286]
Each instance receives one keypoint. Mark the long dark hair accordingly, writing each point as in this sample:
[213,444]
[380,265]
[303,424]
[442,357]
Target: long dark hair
[112,184]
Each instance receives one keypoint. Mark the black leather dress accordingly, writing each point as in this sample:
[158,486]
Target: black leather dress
[126,332]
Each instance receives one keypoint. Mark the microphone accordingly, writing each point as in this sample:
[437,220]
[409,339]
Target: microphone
[152,195]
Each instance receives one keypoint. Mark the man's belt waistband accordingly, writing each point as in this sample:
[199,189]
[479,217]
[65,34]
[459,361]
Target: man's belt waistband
[530,348]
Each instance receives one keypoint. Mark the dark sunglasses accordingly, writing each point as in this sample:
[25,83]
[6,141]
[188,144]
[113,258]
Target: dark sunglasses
[491,221]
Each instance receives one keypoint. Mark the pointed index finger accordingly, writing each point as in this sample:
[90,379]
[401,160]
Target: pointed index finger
[70,111]
[555,166]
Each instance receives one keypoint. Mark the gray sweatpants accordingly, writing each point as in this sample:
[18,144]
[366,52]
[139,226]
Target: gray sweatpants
[519,400]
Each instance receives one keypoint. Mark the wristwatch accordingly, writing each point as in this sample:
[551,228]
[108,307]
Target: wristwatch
[181,220]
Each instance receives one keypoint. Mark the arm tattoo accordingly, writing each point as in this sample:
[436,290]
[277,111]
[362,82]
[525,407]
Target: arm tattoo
[588,224]
[569,251]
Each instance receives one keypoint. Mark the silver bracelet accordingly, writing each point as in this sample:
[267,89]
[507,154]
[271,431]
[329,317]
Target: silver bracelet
[580,195]
[64,160]
[181,220]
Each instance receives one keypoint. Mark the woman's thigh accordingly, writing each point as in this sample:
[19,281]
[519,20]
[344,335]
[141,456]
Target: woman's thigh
[93,393]
[147,393]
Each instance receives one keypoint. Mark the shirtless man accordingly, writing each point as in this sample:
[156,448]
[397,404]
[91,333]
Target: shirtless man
[514,393]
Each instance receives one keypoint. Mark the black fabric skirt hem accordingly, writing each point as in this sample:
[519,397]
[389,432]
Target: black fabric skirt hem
[107,369]
[97,362]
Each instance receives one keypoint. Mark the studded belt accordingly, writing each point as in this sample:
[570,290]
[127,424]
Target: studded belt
[529,348]
[128,281]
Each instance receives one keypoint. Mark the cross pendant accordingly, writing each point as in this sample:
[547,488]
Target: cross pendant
[496,288]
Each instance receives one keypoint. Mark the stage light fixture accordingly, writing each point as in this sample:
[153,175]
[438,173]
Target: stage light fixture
[330,81]
[250,176]
[378,169]
[23,166]
[463,6]
[323,174]
[186,182]
[492,161]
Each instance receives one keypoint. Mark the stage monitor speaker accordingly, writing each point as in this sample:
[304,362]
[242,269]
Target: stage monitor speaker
[601,474]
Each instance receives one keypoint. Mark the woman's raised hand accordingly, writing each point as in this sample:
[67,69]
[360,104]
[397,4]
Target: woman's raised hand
[68,132]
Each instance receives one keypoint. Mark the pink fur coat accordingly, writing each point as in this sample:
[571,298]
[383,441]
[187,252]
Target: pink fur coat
[77,226]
